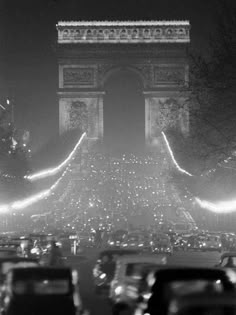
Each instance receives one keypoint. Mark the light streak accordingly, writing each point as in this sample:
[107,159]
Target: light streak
[172,156]
[24,203]
[2,107]
[55,170]
[219,207]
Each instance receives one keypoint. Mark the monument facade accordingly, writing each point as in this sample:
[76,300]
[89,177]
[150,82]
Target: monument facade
[90,52]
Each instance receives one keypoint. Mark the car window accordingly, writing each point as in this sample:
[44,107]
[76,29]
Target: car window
[226,260]
[42,287]
[192,286]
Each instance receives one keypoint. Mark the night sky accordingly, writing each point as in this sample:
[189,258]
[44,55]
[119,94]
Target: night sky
[28,62]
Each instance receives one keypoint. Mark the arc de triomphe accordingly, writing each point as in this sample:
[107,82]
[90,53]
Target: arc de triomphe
[89,52]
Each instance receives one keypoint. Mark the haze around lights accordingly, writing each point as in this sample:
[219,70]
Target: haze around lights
[55,170]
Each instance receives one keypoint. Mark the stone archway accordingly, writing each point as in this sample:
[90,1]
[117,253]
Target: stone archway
[88,52]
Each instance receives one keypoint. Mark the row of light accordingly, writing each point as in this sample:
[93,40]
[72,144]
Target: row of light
[57,169]
[218,207]
[24,203]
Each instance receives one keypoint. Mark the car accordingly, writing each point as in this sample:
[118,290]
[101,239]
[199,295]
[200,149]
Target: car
[129,281]
[104,269]
[42,290]
[170,281]
[212,243]
[161,244]
[194,242]
[203,303]
[227,259]
[86,240]
[180,243]
[135,240]
[115,239]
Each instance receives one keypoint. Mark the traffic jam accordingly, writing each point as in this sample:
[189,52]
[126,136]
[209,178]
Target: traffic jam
[130,270]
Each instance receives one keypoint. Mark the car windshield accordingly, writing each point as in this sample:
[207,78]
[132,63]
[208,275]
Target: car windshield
[42,287]
[193,286]
[230,260]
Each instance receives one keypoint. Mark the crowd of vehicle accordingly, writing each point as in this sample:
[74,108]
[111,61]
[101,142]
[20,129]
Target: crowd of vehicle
[34,278]
[154,241]
[131,271]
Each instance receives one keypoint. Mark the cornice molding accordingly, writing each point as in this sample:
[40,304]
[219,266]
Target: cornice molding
[118,32]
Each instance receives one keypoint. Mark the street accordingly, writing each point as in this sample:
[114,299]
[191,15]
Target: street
[97,305]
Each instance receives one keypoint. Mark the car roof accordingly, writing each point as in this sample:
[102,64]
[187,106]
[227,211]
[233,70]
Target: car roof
[17,259]
[155,259]
[186,273]
[39,271]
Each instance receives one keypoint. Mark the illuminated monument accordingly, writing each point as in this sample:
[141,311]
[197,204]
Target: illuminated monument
[124,83]
[91,53]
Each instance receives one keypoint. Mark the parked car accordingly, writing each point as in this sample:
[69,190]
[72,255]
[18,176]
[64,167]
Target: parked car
[161,244]
[171,281]
[42,290]
[135,240]
[212,243]
[130,279]
[115,239]
[104,269]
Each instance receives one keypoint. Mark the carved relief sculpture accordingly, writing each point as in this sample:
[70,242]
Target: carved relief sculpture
[78,116]
[79,77]
[168,75]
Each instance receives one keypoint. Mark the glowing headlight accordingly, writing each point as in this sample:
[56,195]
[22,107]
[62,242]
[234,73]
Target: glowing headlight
[140,245]
[147,296]
[34,251]
[124,245]
[111,243]
[119,290]
[102,276]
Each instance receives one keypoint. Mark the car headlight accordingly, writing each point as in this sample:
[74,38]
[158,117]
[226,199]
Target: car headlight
[111,243]
[34,251]
[118,290]
[147,296]
[140,245]
[102,276]
[124,245]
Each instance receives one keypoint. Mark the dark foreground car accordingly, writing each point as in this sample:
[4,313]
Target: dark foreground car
[170,282]
[42,291]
